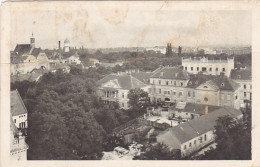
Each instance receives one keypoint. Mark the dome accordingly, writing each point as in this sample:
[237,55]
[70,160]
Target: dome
[66,41]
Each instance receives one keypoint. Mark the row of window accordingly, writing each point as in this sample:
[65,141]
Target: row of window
[205,69]
[169,83]
[195,141]
[245,86]
[20,116]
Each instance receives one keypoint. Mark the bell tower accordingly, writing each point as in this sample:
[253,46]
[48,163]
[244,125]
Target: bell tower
[32,41]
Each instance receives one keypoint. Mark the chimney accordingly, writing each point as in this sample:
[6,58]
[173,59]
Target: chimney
[59,45]
[206,109]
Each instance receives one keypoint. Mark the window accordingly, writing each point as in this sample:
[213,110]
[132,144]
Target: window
[198,68]
[228,97]
[160,91]
[204,69]
[14,120]
[206,99]
[174,83]
[180,94]
[185,68]
[191,68]
[167,82]
[123,105]
[184,147]
[123,95]
[236,97]
[223,69]
[190,144]
[188,93]
[250,96]
[174,93]
[193,94]
[181,83]
[205,137]
[200,139]
[186,113]
[210,69]
[216,69]
[159,82]
[244,94]
[244,86]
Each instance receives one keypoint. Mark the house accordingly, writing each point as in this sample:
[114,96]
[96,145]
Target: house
[18,110]
[193,135]
[168,84]
[74,59]
[115,88]
[191,111]
[208,65]
[93,61]
[212,90]
[18,146]
[26,57]
[244,79]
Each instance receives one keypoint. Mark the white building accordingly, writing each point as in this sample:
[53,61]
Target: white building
[244,79]
[193,135]
[74,59]
[18,110]
[115,88]
[208,66]
[66,45]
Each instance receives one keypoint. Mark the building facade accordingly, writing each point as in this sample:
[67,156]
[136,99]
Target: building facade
[18,110]
[115,88]
[193,135]
[172,84]
[244,79]
[207,66]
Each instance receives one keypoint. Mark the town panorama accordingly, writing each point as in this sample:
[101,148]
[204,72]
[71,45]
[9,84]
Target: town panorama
[130,103]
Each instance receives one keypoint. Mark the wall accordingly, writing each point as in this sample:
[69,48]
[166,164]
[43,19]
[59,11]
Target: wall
[19,119]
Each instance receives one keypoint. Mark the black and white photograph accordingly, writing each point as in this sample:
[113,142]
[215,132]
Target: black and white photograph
[99,80]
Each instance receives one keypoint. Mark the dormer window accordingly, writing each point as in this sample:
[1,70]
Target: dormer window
[222,84]
[205,87]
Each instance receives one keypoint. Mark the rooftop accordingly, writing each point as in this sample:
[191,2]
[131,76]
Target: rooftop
[17,105]
[241,74]
[175,136]
[171,73]
[124,81]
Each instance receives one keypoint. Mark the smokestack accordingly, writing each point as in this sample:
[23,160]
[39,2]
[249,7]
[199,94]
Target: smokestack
[59,45]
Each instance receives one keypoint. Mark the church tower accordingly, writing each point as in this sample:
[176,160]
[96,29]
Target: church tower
[32,41]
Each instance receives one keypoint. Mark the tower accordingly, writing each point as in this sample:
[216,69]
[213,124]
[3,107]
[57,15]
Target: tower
[32,41]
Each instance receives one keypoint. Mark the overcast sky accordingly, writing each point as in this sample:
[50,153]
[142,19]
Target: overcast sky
[107,25]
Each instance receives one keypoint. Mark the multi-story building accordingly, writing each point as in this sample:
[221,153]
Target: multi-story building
[168,84]
[193,135]
[26,57]
[244,79]
[172,84]
[115,88]
[18,110]
[208,65]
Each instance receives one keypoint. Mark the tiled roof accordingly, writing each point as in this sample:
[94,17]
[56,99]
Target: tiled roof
[142,76]
[220,82]
[125,81]
[199,108]
[21,49]
[194,128]
[241,74]
[36,51]
[17,105]
[171,73]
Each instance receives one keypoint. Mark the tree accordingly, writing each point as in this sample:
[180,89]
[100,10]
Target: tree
[138,99]
[169,50]
[159,152]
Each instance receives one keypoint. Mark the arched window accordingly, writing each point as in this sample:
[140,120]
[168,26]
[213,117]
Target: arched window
[223,69]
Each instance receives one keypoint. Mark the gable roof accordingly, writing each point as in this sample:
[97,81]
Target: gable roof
[199,108]
[125,81]
[196,127]
[142,76]
[171,73]
[21,49]
[219,82]
[17,105]
[241,74]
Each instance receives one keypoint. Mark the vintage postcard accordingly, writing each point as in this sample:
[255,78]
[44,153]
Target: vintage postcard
[137,83]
